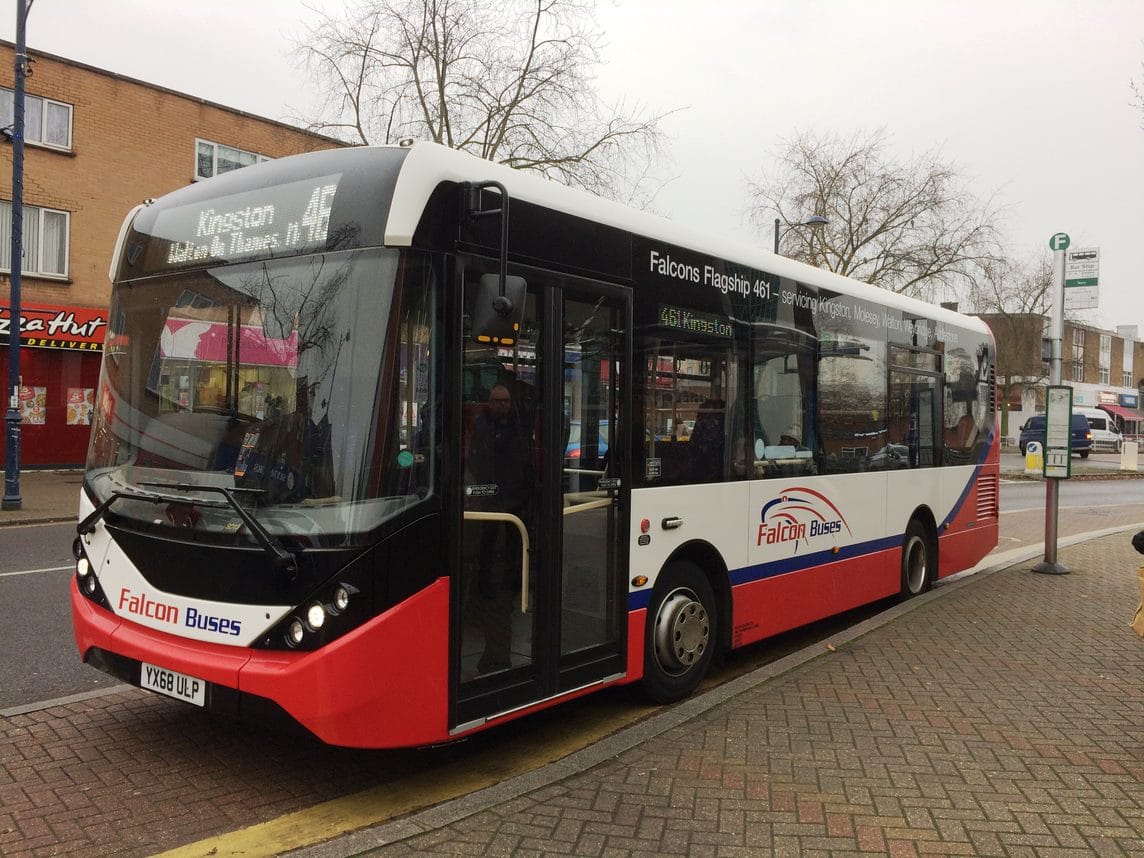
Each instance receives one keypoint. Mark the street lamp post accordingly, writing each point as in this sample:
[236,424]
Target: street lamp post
[814,221]
[12,499]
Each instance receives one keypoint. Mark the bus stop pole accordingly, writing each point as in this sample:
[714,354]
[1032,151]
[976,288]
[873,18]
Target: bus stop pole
[1049,565]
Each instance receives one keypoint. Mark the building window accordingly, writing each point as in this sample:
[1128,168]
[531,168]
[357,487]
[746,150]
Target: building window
[1126,379]
[1078,354]
[214,159]
[45,240]
[1105,364]
[46,122]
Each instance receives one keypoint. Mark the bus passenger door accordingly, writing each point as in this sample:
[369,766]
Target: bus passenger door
[539,598]
[591,601]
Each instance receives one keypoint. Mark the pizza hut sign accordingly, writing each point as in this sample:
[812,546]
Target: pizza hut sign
[50,327]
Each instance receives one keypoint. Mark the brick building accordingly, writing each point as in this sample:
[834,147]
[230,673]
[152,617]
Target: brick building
[96,145]
[1104,368]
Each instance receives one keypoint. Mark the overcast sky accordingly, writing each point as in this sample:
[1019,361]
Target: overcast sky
[1029,98]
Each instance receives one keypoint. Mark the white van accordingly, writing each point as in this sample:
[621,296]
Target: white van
[1105,435]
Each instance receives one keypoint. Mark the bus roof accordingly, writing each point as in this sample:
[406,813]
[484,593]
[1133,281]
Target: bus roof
[429,164]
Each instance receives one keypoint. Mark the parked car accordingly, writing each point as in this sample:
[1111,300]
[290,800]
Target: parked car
[1105,434]
[573,451]
[891,457]
[1034,430]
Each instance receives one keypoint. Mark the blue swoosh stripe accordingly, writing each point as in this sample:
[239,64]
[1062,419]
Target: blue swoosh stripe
[760,571]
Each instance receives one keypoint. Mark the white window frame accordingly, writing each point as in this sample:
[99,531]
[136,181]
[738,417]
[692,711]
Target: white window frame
[34,219]
[199,177]
[35,136]
[1126,379]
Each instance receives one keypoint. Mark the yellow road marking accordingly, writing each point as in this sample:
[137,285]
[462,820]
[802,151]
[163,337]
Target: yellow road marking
[378,804]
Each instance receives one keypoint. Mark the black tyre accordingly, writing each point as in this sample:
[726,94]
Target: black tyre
[681,636]
[919,560]
[1021,447]
[1084,454]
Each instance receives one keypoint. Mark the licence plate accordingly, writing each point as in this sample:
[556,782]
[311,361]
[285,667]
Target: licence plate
[177,685]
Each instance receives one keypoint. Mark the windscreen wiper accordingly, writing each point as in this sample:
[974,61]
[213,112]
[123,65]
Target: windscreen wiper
[282,558]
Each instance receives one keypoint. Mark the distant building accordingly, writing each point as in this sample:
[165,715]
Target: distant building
[96,145]
[1104,368]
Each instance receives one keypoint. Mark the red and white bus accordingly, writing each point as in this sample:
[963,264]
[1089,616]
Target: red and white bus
[288,507]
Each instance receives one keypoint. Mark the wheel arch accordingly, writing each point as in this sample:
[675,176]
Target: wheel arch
[925,516]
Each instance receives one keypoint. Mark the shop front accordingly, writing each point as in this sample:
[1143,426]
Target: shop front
[60,351]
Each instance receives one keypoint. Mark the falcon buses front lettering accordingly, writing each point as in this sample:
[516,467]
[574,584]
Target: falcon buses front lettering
[143,605]
[219,625]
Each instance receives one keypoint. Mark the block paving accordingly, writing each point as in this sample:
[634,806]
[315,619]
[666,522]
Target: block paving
[1005,718]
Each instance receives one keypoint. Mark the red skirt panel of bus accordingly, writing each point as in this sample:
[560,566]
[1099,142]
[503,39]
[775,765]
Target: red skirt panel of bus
[965,549]
[637,628]
[383,684]
[778,603]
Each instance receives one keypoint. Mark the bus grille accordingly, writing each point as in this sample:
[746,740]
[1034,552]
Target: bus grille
[987,497]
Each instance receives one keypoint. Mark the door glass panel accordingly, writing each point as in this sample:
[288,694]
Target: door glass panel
[914,417]
[593,453]
[501,426]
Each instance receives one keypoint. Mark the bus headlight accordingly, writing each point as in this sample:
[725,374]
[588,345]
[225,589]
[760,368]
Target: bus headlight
[295,632]
[323,616]
[86,579]
[316,616]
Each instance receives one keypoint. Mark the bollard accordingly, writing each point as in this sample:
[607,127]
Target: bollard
[1034,459]
[1129,451]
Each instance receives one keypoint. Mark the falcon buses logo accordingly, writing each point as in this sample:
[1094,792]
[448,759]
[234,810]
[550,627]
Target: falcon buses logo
[799,515]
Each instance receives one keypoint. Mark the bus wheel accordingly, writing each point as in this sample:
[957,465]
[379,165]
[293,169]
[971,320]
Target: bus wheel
[918,561]
[681,633]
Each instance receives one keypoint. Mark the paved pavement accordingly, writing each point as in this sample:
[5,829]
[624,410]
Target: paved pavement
[45,496]
[1000,714]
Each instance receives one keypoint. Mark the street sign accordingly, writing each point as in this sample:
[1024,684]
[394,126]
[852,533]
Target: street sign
[1060,241]
[1058,432]
[1082,266]
[1082,270]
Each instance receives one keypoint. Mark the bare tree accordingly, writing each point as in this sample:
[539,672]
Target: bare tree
[908,226]
[508,80]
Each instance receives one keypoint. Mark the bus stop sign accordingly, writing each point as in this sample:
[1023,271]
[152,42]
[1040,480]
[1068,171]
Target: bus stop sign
[1060,241]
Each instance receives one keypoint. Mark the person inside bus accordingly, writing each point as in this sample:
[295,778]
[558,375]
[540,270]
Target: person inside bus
[706,443]
[500,478]
[792,437]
